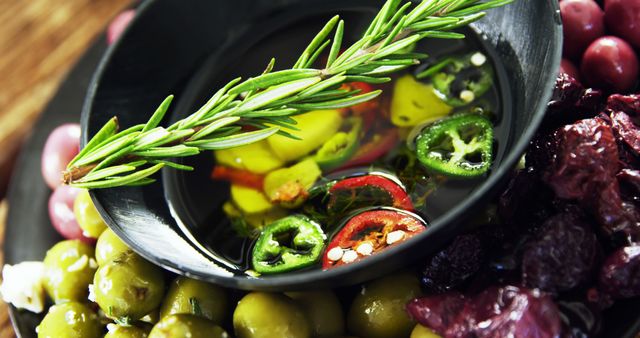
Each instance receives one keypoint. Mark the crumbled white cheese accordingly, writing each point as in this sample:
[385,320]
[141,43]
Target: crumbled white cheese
[111,327]
[335,254]
[349,256]
[149,318]
[395,236]
[365,249]
[478,59]
[92,293]
[23,285]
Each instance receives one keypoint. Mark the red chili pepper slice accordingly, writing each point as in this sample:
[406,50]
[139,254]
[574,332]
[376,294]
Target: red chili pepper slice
[398,196]
[238,176]
[378,147]
[365,107]
[368,233]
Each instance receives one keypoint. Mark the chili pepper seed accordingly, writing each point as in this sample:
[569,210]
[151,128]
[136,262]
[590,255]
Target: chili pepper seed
[478,59]
[335,254]
[349,256]
[365,249]
[395,236]
[467,96]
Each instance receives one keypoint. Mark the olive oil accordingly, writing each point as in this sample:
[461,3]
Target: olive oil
[197,201]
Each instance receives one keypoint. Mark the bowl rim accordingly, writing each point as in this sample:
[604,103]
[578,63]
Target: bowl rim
[298,280]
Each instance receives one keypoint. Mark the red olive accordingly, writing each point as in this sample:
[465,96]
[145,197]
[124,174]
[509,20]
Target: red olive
[583,22]
[61,213]
[62,145]
[611,64]
[119,24]
[567,67]
[623,19]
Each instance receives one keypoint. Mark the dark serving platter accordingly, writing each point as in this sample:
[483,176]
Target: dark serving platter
[29,233]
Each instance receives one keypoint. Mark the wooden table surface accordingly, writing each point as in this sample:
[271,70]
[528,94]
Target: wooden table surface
[40,40]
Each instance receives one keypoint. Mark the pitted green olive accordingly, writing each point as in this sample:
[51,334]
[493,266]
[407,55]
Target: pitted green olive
[69,268]
[70,320]
[323,310]
[379,310]
[185,325]
[128,287]
[120,331]
[194,297]
[109,246]
[87,215]
[266,315]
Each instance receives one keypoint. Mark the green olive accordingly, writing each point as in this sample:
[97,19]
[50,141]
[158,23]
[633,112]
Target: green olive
[87,215]
[70,320]
[266,315]
[422,332]
[379,310]
[109,246]
[323,311]
[128,287]
[185,325]
[191,296]
[120,331]
[69,268]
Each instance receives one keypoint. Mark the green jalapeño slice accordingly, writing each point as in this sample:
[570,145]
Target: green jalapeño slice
[459,146]
[461,80]
[291,243]
[341,147]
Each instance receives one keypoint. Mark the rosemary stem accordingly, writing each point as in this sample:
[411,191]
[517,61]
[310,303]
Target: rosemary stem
[267,101]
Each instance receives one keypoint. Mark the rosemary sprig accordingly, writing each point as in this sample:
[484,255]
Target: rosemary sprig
[267,101]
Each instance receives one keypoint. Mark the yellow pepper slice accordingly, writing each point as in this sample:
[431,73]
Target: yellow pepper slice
[414,102]
[316,127]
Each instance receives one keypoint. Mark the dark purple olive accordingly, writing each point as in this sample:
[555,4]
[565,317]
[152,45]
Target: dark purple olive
[62,216]
[628,104]
[563,255]
[507,311]
[623,19]
[451,266]
[569,103]
[583,22]
[611,64]
[620,273]
[567,67]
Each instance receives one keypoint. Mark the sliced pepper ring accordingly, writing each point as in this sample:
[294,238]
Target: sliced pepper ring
[380,144]
[289,244]
[460,146]
[372,189]
[370,232]
[341,146]
[459,81]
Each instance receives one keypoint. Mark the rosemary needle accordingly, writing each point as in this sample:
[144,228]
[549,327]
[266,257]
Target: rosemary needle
[129,157]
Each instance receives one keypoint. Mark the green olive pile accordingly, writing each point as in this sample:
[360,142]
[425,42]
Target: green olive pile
[110,291]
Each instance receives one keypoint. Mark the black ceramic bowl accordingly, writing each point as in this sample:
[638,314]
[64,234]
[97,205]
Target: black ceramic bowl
[182,47]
